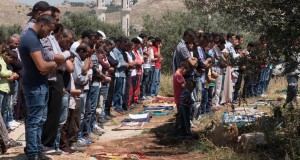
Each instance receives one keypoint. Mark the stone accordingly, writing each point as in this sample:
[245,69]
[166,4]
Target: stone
[249,141]
[224,136]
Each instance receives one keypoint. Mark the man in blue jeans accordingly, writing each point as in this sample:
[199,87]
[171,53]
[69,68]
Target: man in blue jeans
[36,92]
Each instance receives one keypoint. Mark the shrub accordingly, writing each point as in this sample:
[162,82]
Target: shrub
[79,22]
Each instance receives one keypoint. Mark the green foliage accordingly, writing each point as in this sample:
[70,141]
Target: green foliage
[277,20]
[7,31]
[79,22]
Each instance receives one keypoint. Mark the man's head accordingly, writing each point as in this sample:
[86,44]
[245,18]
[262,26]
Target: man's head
[90,48]
[44,25]
[157,41]
[231,38]
[189,36]
[238,49]
[107,46]
[128,46]
[55,14]
[65,39]
[136,43]
[8,55]
[88,34]
[184,67]
[240,39]
[221,43]
[82,50]
[99,40]
[40,8]
[144,38]
[59,28]
[121,42]
[13,41]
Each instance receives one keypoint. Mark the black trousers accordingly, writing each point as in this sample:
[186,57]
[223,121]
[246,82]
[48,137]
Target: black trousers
[51,125]
[238,85]
[108,101]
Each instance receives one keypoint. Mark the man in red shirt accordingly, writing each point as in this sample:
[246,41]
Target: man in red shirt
[179,81]
[156,76]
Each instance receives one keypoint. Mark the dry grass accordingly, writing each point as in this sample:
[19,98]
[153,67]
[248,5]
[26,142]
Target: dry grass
[166,85]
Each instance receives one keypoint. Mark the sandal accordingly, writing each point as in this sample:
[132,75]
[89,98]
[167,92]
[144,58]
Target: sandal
[12,143]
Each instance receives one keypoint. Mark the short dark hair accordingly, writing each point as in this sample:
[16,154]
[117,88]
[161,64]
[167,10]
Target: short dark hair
[54,10]
[221,40]
[237,47]
[150,38]
[122,39]
[82,47]
[47,19]
[189,32]
[142,35]
[229,35]
[239,37]
[135,41]
[89,42]
[113,39]
[108,42]
[58,28]
[184,65]
[87,34]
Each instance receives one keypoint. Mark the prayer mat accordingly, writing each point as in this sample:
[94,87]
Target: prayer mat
[156,113]
[119,156]
[159,108]
[129,126]
[136,120]
[163,100]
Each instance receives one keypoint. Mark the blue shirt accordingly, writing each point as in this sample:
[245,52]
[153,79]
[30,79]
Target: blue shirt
[30,43]
[121,68]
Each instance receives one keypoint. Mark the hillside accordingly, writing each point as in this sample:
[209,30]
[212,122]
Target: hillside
[13,12]
[154,8]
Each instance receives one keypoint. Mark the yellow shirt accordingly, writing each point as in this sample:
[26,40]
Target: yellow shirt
[4,74]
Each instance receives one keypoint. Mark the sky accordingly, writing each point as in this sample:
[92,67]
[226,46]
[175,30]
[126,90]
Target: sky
[54,2]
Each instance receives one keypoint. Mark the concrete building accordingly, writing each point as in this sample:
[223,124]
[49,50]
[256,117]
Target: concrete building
[101,9]
[125,16]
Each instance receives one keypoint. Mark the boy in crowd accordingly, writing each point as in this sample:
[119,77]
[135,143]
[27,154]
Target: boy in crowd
[186,103]
[178,85]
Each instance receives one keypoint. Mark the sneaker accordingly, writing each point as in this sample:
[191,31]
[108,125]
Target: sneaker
[67,150]
[149,97]
[107,117]
[144,98]
[77,148]
[86,141]
[138,102]
[41,156]
[92,137]
[51,151]
[192,125]
[14,123]
[98,130]
[80,143]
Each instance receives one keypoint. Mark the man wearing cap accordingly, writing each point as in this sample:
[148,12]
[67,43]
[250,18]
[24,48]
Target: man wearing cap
[38,9]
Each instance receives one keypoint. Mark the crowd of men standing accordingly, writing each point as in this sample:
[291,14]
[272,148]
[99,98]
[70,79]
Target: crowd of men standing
[209,69]
[62,82]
